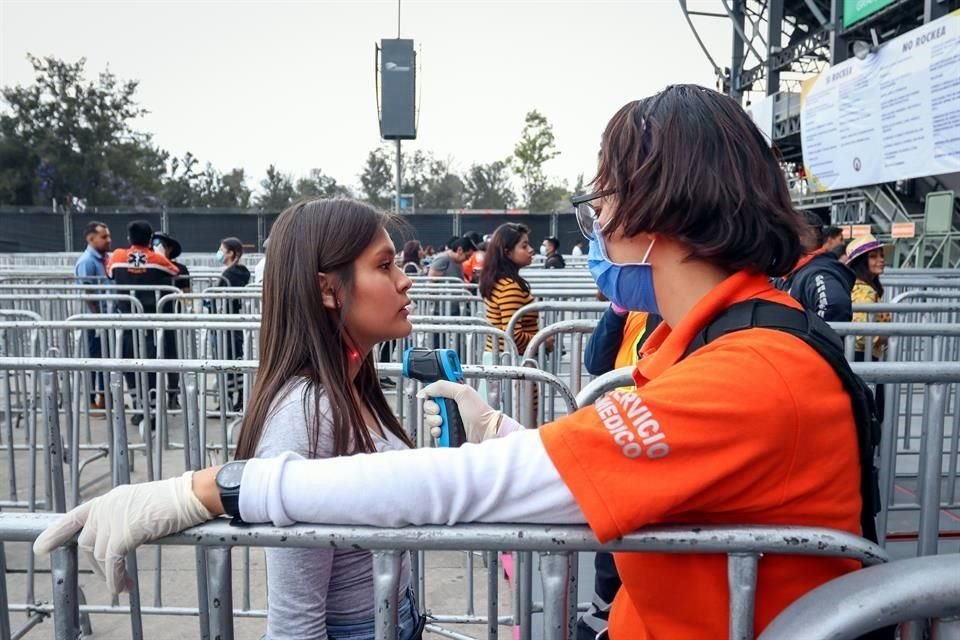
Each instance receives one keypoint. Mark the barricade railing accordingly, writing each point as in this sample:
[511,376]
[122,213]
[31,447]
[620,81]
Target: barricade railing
[198,447]
[849,607]
[240,300]
[56,306]
[744,547]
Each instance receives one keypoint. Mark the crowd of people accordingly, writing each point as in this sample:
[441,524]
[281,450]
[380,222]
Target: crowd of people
[149,259]
[717,428]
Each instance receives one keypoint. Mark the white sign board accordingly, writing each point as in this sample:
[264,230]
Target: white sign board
[892,116]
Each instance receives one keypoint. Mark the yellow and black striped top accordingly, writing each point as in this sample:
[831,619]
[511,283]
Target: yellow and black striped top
[502,304]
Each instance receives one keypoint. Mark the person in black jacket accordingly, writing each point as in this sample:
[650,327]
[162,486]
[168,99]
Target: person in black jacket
[820,282]
[169,246]
[236,275]
[552,251]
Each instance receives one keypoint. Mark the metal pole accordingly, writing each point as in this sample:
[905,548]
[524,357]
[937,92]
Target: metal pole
[220,593]
[386,580]
[930,469]
[4,606]
[493,594]
[121,461]
[774,35]
[396,204]
[555,575]
[736,60]
[66,606]
[742,582]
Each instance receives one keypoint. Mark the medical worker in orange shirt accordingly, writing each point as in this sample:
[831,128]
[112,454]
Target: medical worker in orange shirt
[691,215]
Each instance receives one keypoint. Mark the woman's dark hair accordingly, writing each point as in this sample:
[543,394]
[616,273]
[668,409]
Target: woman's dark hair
[234,245]
[861,268]
[690,164]
[299,336]
[497,265]
[411,252]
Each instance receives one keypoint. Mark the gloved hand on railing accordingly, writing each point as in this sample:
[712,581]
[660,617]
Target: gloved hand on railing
[123,519]
[480,420]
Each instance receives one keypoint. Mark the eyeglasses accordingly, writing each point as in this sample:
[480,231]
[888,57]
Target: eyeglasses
[588,218]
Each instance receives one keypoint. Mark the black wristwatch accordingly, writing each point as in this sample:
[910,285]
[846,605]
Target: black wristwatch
[228,482]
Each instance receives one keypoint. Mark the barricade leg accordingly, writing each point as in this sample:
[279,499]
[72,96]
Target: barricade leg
[121,460]
[386,580]
[555,575]
[4,600]
[524,586]
[66,605]
[930,469]
[192,457]
[493,595]
[742,583]
[220,593]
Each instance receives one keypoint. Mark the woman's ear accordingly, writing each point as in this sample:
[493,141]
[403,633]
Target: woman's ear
[328,292]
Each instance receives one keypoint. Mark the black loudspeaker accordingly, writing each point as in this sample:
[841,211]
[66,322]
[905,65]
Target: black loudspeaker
[398,81]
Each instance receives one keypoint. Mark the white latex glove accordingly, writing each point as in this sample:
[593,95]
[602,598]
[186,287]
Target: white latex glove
[123,519]
[480,420]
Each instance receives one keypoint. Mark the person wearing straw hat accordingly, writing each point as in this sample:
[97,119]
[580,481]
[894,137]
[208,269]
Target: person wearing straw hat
[867,258]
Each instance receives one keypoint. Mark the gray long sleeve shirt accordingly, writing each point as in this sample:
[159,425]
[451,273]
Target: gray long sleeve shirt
[308,586]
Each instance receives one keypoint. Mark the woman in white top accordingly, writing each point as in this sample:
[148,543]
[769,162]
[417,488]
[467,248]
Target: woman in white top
[317,394]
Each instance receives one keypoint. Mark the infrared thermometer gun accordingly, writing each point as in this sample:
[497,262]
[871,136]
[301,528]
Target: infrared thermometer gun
[430,365]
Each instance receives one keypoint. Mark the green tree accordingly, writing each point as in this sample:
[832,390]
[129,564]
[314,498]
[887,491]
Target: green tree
[320,185]
[66,136]
[579,189]
[377,179]
[536,147]
[436,186]
[487,186]
[277,190]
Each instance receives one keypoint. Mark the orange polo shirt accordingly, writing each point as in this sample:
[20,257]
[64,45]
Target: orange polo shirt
[754,428]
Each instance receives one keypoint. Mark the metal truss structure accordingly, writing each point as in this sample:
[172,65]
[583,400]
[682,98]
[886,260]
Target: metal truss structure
[776,46]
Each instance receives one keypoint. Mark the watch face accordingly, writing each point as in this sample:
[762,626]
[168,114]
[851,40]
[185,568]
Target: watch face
[230,475]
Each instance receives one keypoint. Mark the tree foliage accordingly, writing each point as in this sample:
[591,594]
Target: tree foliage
[536,147]
[277,192]
[487,186]
[65,136]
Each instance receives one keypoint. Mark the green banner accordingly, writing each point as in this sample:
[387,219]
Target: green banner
[856,10]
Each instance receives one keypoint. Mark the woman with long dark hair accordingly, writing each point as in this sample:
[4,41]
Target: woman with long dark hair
[502,287]
[752,427]
[411,260]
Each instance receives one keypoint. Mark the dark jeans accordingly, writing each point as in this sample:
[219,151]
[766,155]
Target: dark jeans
[170,353]
[94,350]
[605,587]
[878,394]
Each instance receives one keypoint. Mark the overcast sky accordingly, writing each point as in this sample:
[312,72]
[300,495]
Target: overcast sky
[246,84]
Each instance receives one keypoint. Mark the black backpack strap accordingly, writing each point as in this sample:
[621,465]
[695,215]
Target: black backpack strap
[806,325]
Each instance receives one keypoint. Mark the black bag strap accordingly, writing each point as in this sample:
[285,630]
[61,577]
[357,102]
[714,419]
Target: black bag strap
[806,325]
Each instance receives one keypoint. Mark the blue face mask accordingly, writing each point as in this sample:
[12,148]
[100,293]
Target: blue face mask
[629,286]
[220,256]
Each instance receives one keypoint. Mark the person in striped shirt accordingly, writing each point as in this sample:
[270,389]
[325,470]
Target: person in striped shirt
[502,287]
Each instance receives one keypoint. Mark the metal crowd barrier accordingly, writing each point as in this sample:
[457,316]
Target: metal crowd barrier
[44,437]
[851,606]
[743,546]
